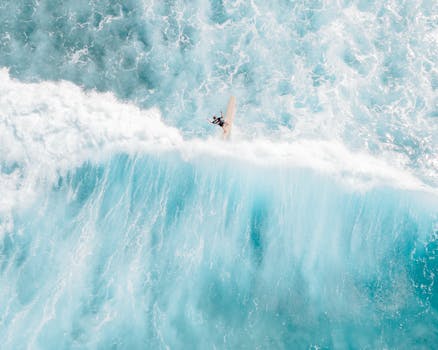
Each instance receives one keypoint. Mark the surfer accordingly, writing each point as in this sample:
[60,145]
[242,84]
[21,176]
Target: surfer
[226,122]
[218,120]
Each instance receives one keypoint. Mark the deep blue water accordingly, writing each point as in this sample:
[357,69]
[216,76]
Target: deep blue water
[127,223]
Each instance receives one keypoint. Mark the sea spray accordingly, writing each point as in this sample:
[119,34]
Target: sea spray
[125,222]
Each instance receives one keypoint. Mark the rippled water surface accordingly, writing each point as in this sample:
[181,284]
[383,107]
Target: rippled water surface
[126,222]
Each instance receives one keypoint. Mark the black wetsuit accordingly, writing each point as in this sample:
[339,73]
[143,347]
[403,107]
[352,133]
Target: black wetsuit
[219,121]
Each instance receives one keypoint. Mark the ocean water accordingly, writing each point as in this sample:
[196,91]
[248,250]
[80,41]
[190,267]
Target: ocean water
[127,223]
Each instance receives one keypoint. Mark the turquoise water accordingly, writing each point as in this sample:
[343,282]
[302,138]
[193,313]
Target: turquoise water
[125,221]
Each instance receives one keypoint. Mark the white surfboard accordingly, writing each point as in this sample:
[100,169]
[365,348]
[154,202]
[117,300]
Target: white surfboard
[229,117]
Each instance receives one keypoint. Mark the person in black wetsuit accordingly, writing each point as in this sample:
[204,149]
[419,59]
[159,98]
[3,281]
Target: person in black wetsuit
[218,121]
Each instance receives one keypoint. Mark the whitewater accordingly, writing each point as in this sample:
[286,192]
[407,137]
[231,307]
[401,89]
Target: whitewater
[126,222]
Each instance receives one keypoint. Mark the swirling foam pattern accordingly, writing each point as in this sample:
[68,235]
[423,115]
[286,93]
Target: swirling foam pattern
[126,223]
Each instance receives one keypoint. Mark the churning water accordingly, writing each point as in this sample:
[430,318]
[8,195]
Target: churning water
[127,223]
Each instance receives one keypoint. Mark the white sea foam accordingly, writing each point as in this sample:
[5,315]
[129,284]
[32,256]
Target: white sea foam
[48,128]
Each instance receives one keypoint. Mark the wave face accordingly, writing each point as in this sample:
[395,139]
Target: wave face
[125,224]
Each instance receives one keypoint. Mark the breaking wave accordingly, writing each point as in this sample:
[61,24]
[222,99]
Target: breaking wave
[126,223]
